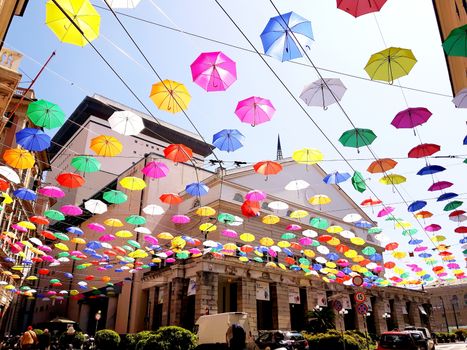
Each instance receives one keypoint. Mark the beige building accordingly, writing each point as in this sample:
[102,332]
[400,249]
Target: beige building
[9,9]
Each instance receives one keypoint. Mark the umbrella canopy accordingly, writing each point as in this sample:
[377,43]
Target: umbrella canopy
[153,209]
[431,169]
[392,179]
[52,191]
[71,210]
[9,174]
[285,35]
[86,164]
[424,150]
[250,208]
[297,185]
[358,182]
[170,96]
[126,123]
[115,197]
[319,199]
[70,180]
[411,118]
[357,138]
[84,15]
[197,189]
[390,64]
[25,194]
[307,156]
[228,140]
[267,167]
[460,100]
[255,110]
[33,139]
[416,206]
[335,178]
[178,153]
[123,4]
[256,195]
[155,170]
[214,71]
[440,185]
[323,92]
[18,158]
[381,165]
[132,183]
[360,7]
[446,196]
[106,146]
[456,42]
[95,206]
[171,198]
[46,114]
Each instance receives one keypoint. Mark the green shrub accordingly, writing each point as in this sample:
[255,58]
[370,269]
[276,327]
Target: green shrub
[332,339]
[107,339]
[168,338]
[131,340]
[76,339]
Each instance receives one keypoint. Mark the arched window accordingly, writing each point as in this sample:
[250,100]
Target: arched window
[465,299]
[455,302]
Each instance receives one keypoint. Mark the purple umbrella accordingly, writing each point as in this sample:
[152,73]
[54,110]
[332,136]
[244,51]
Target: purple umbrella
[255,110]
[323,92]
[440,185]
[411,117]
[214,71]
[433,228]
[155,170]
[460,101]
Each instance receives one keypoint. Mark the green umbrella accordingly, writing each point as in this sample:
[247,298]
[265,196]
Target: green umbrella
[183,255]
[63,254]
[315,243]
[81,267]
[115,197]
[319,223]
[374,230]
[465,160]
[358,182]
[257,259]
[369,251]
[46,114]
[288,235]
[54,280]
[128,248]
[452,205]
[226,218]
[61,236]
[74,257]
[304,261]
[86,164]
[409,232]
[135,220]
[357,138]
[456,43]
[134,243]
[54,215]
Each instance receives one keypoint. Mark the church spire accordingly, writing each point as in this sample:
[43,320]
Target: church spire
[279,148]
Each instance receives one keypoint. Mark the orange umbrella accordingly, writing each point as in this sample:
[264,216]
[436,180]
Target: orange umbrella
[267,167]
[179,153]
[41,220]
[70,180]
[171,198]
[381,165]
[4,185]
[250,208]
[424,214]
[106,146]
[18,158]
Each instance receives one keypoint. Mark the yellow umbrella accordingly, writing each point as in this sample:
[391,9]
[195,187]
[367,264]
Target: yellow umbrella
[27,224]
[392,179]
[358,258]
[247,237]
[113,222]
[205,211]
[61,246]
[271,264]
[438,238]
[132,183]
[283,244]
[334,229]
[6,198]
[309,253]
[243,259]
[266,241]
[207,227]
[10,234]
[170,96]
[78,240]
[399,255]
[18,158]
[398,270]
[350,253]
[165,235]
[270,219]
[390,64]
[124,234]
[32,278]
[334,241]
[106,146]
[319,199]
[331,265]
[178,243]
[84,16]
[298,214]
[230,246]
[357,241]
[307,156]
[138,253]
[403,224]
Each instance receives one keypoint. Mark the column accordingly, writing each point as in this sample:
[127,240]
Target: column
[378,310]
[283,307]
[111,313]
[151,303]
[311,299]
[207,293]
[398,314]
[164,296]
[246,301]
[359,322]
[414,314]
[176,301]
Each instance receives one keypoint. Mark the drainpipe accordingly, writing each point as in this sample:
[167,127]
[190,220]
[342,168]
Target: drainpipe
[445,316]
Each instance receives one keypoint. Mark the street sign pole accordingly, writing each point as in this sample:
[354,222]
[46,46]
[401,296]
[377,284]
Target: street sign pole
[97,317]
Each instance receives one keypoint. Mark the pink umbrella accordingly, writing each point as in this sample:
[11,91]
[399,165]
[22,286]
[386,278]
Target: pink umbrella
[101,268]
[169,253]
[96,227]
[48,258]
[214,71]
[411,117]
[256,195]
[453,266]
[442,274]
[19,228]
[342,262]
[45,248]
[420,249]
[155,170]
[293,227]
[194,251]
[305,241]
[76,253]
[180,219]
[433,228]
[170,260]
[255,110]
[385,211]
[151,240]
[71,210]
[378,269]
[440,185]
[107,238]
[272,252]
[52,191]
[229,233]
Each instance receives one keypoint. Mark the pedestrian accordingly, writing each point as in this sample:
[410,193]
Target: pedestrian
[29,339]
[236,337]
[44,340]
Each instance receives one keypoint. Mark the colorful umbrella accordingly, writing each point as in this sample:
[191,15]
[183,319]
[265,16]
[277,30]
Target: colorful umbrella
[115,197]
[153,209]
[52,191]
[360,7]
[392,179]
[424,150]
[106,146]
[390,64]
[84,16]
[456,42]
[250,208]
[171,198]
[25,194]
[357,138]
[460,100]
[9,174]
[336,178]
[132,183]
[256,195]
[135,220]
[54,215]
[46,114]
[95,206]
[255,110]
[197,189]
[416,206]
[18,158]
[228,140]
[170,96]
[285,35]
[446,196]
[214,71]
[70,180]
[323,92]
[267,168]
[430,169]
[381,165]
[126,123]
[86,164]
[440,185]
[296,185]
[307,156]
[319,199]
[178,153]
[411,118]
[71,210]
[33,139]
[155,170]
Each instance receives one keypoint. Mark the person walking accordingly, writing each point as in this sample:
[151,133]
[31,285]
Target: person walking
[236,337]
[28,340]
[44,340]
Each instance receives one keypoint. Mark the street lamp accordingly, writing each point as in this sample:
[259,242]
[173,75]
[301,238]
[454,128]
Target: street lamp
[343,312]
[366,329]
[386,315]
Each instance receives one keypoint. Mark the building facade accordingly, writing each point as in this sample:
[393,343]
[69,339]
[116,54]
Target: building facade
[9,9]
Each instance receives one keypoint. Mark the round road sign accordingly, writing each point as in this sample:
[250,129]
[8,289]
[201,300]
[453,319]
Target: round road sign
[360,297]
[357,281]
[362,309]
[337,305]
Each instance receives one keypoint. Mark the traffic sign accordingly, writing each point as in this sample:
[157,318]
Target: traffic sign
[357,281]
[98,316]
[337,305]
[362,309]
[359,297]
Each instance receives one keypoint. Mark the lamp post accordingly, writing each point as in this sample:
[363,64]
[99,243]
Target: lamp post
[386,317]
[343,312]
[366,329]
[97,317]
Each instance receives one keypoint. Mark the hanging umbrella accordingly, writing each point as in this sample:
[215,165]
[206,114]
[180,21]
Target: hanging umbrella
[70,180]
[86,164]
[51,191]
[250,208]
[360,7]
[75,230]
[33,139]
[323,92]
[358,182]
[115,197]
[357,138]
[40,220]
[447,196]
[256,195]
[384,212]
[460,100]
[170,96]
[430,169]
[456,42]
[25,194]
[46,114]
[171,198]
[411,118]
[214,71]
[267,168]
[126,123]
[123,4]
[255,110]
[381,165]
[416,206]
[424,150]
[336,178]
[54,215]
[155,170]
[71,210]
[319,223]
[132,183]
[277,205]
[392,179]
[440,185]
[307,156]
[423,214]
[135,220]
[18,158]
[106,146]
[319,199]
[84,15]
[285,35]
[297,185]
[153,209]
[9,174]
[390,64]
[208,211]
[197,189]
[95,206]
[178,153]
[228,140]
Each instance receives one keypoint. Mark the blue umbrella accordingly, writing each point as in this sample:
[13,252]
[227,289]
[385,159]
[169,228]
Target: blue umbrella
[25,194]
[415,206]
[376,257]
[463,240]
[279,42]
[424,255]
[68,275]
[446,196]
[415,241]
[332,256]
[75,230]
[363,224]
[94,245]
[336,177]
[197,189]
[347,270]
[431,169]
[227,140]
[465,140]
[33,139]
[287,251]
[317,267]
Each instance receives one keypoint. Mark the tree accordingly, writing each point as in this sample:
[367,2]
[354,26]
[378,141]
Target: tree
[319,321]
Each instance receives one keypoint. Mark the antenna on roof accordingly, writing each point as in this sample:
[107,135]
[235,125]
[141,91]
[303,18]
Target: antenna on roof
[279,148]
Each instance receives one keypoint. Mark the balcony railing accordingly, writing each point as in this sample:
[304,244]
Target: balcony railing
[10,59]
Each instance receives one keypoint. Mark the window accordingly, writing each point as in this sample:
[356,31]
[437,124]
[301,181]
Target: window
[238,197]
[465,299]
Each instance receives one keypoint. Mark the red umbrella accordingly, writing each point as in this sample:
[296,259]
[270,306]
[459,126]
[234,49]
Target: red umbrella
[424,150]
[171,198]
[250,208]
[461,229]
[70,180]
[370,201]
[41,220]
[324,238]
[4,185]
[360,7]
[267,167]
[381,165]
[48,235]
[178,153]
[391,246]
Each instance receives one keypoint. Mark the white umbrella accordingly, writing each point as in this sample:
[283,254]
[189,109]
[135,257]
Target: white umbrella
[460,101]
[297,185]
[95,206]
[237,222]
[277,205]
[106,245]
[323,92]
[123,4]
[9,174]
[36,241]
[153,209]
[347,234]
[210,244]
[352,218]
[142,229]
[310,233]
[126,123]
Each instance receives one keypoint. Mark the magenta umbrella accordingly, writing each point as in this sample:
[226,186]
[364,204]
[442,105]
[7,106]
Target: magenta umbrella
[71,210]
[433,228]
[255,110]
[256,195]
[107,238]
[19,228]
[453,266]
[411,118]
[96,227]
[194,251]
[214,71]
[293,227]
[52,191]
[440,185]
[420,249]
[229,233]
[385,211]
[305,241]
[155,170]
[180,219]
[151,239]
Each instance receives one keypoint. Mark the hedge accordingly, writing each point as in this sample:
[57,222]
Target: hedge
[107,339]
[354,340]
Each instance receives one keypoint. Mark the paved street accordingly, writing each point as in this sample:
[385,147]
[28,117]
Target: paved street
[457,346]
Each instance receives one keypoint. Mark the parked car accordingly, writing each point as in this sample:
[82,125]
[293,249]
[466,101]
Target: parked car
[290,340]
[397,341]
[428,341]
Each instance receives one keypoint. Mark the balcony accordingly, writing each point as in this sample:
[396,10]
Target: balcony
[10,59]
